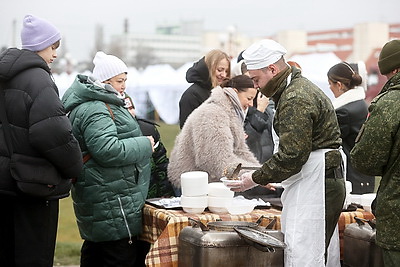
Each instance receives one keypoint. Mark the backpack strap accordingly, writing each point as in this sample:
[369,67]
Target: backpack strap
[87,157]
[109,109]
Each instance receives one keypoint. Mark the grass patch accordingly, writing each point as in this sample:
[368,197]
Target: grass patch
[69,241]
[67,254]
[168,134]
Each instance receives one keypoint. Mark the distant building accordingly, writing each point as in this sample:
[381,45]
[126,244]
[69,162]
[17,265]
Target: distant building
[174,44]
[187,41]
[361,43]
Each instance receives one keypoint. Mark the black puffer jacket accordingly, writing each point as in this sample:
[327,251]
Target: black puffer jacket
[198,92]
[36,115]
[258,127]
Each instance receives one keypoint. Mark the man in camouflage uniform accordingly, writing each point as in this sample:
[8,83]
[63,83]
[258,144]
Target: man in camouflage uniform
[306,124]
[377,152]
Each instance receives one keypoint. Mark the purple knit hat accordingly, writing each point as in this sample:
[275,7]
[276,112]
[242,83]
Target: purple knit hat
[38,34]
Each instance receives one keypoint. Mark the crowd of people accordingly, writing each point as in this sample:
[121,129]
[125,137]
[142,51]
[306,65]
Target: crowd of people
[262,112]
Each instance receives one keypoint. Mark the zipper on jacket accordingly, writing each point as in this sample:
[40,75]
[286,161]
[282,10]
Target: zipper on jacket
[125,220]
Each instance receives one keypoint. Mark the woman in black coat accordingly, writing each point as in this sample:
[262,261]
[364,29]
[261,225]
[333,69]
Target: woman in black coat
[205,74]
[351,111]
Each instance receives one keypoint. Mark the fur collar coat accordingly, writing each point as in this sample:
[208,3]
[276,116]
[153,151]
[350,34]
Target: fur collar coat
[212,139]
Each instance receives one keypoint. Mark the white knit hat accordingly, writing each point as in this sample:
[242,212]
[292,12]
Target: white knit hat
[263,53]
[107,66]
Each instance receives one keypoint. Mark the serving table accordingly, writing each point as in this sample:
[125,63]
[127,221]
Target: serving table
[161,228]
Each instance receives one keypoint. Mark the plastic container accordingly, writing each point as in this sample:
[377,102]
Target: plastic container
[194,183]
[194,204]
[219,190]
[218,204]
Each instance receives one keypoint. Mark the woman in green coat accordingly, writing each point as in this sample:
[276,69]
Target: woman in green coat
[110,192]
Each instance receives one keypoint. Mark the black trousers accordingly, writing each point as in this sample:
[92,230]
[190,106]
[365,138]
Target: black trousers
[28,229]
[118,253]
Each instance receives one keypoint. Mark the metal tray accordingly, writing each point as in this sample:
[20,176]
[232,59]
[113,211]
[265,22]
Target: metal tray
[260,240]
[162,203]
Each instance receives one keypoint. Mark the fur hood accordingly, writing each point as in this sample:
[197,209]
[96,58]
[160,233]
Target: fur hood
[211,139]
[351,95]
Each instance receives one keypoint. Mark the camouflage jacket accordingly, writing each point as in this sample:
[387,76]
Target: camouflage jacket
[377,152]
[305,121]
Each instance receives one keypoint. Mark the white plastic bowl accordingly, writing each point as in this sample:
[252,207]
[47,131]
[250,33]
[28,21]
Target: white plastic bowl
[218,204]
[194,202]
[219,201]
[218,210]
[227,181]
[219,190]
[193,210]
[194,183]
[240,209]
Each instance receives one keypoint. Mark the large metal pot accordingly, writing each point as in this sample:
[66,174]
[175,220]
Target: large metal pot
[219,243]
[360,249]
[225,225]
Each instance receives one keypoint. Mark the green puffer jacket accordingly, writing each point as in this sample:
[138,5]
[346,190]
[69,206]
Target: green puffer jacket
[377,152]
[109,194]
[305,120]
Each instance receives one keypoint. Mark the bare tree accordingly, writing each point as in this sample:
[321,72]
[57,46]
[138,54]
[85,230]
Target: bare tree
[144,57]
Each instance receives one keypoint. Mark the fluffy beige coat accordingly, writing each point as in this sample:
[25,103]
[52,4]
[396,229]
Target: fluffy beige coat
[211,139]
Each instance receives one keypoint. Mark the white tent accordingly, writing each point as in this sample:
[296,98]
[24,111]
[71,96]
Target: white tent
[315,68]
[162,86]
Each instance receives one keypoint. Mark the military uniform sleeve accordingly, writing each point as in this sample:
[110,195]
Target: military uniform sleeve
[294,122]
[373,144]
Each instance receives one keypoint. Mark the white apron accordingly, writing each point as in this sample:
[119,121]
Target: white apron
[303,213]
[333,257]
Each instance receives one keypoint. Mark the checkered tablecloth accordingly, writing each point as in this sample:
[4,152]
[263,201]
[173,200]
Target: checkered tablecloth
[161,228]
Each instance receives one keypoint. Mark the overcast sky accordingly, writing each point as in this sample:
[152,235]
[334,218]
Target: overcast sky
[77,19]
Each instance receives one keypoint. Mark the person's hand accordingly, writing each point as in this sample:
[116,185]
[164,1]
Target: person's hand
[262,102]
[270,187]
[151,142]
[246,183]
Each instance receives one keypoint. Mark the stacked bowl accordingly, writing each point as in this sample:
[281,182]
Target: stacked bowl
[194,186]
[219,198]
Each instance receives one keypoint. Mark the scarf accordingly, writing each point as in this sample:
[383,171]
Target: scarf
[233,96]
[274,84]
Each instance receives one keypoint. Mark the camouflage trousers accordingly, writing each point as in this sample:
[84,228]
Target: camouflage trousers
[391,258]
[335,194]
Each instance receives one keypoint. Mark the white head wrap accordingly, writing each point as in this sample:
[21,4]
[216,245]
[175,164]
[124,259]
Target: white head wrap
[263,53]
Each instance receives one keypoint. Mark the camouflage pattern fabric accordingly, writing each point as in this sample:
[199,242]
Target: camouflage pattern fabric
[305,121]
[377,152]
[160,186]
